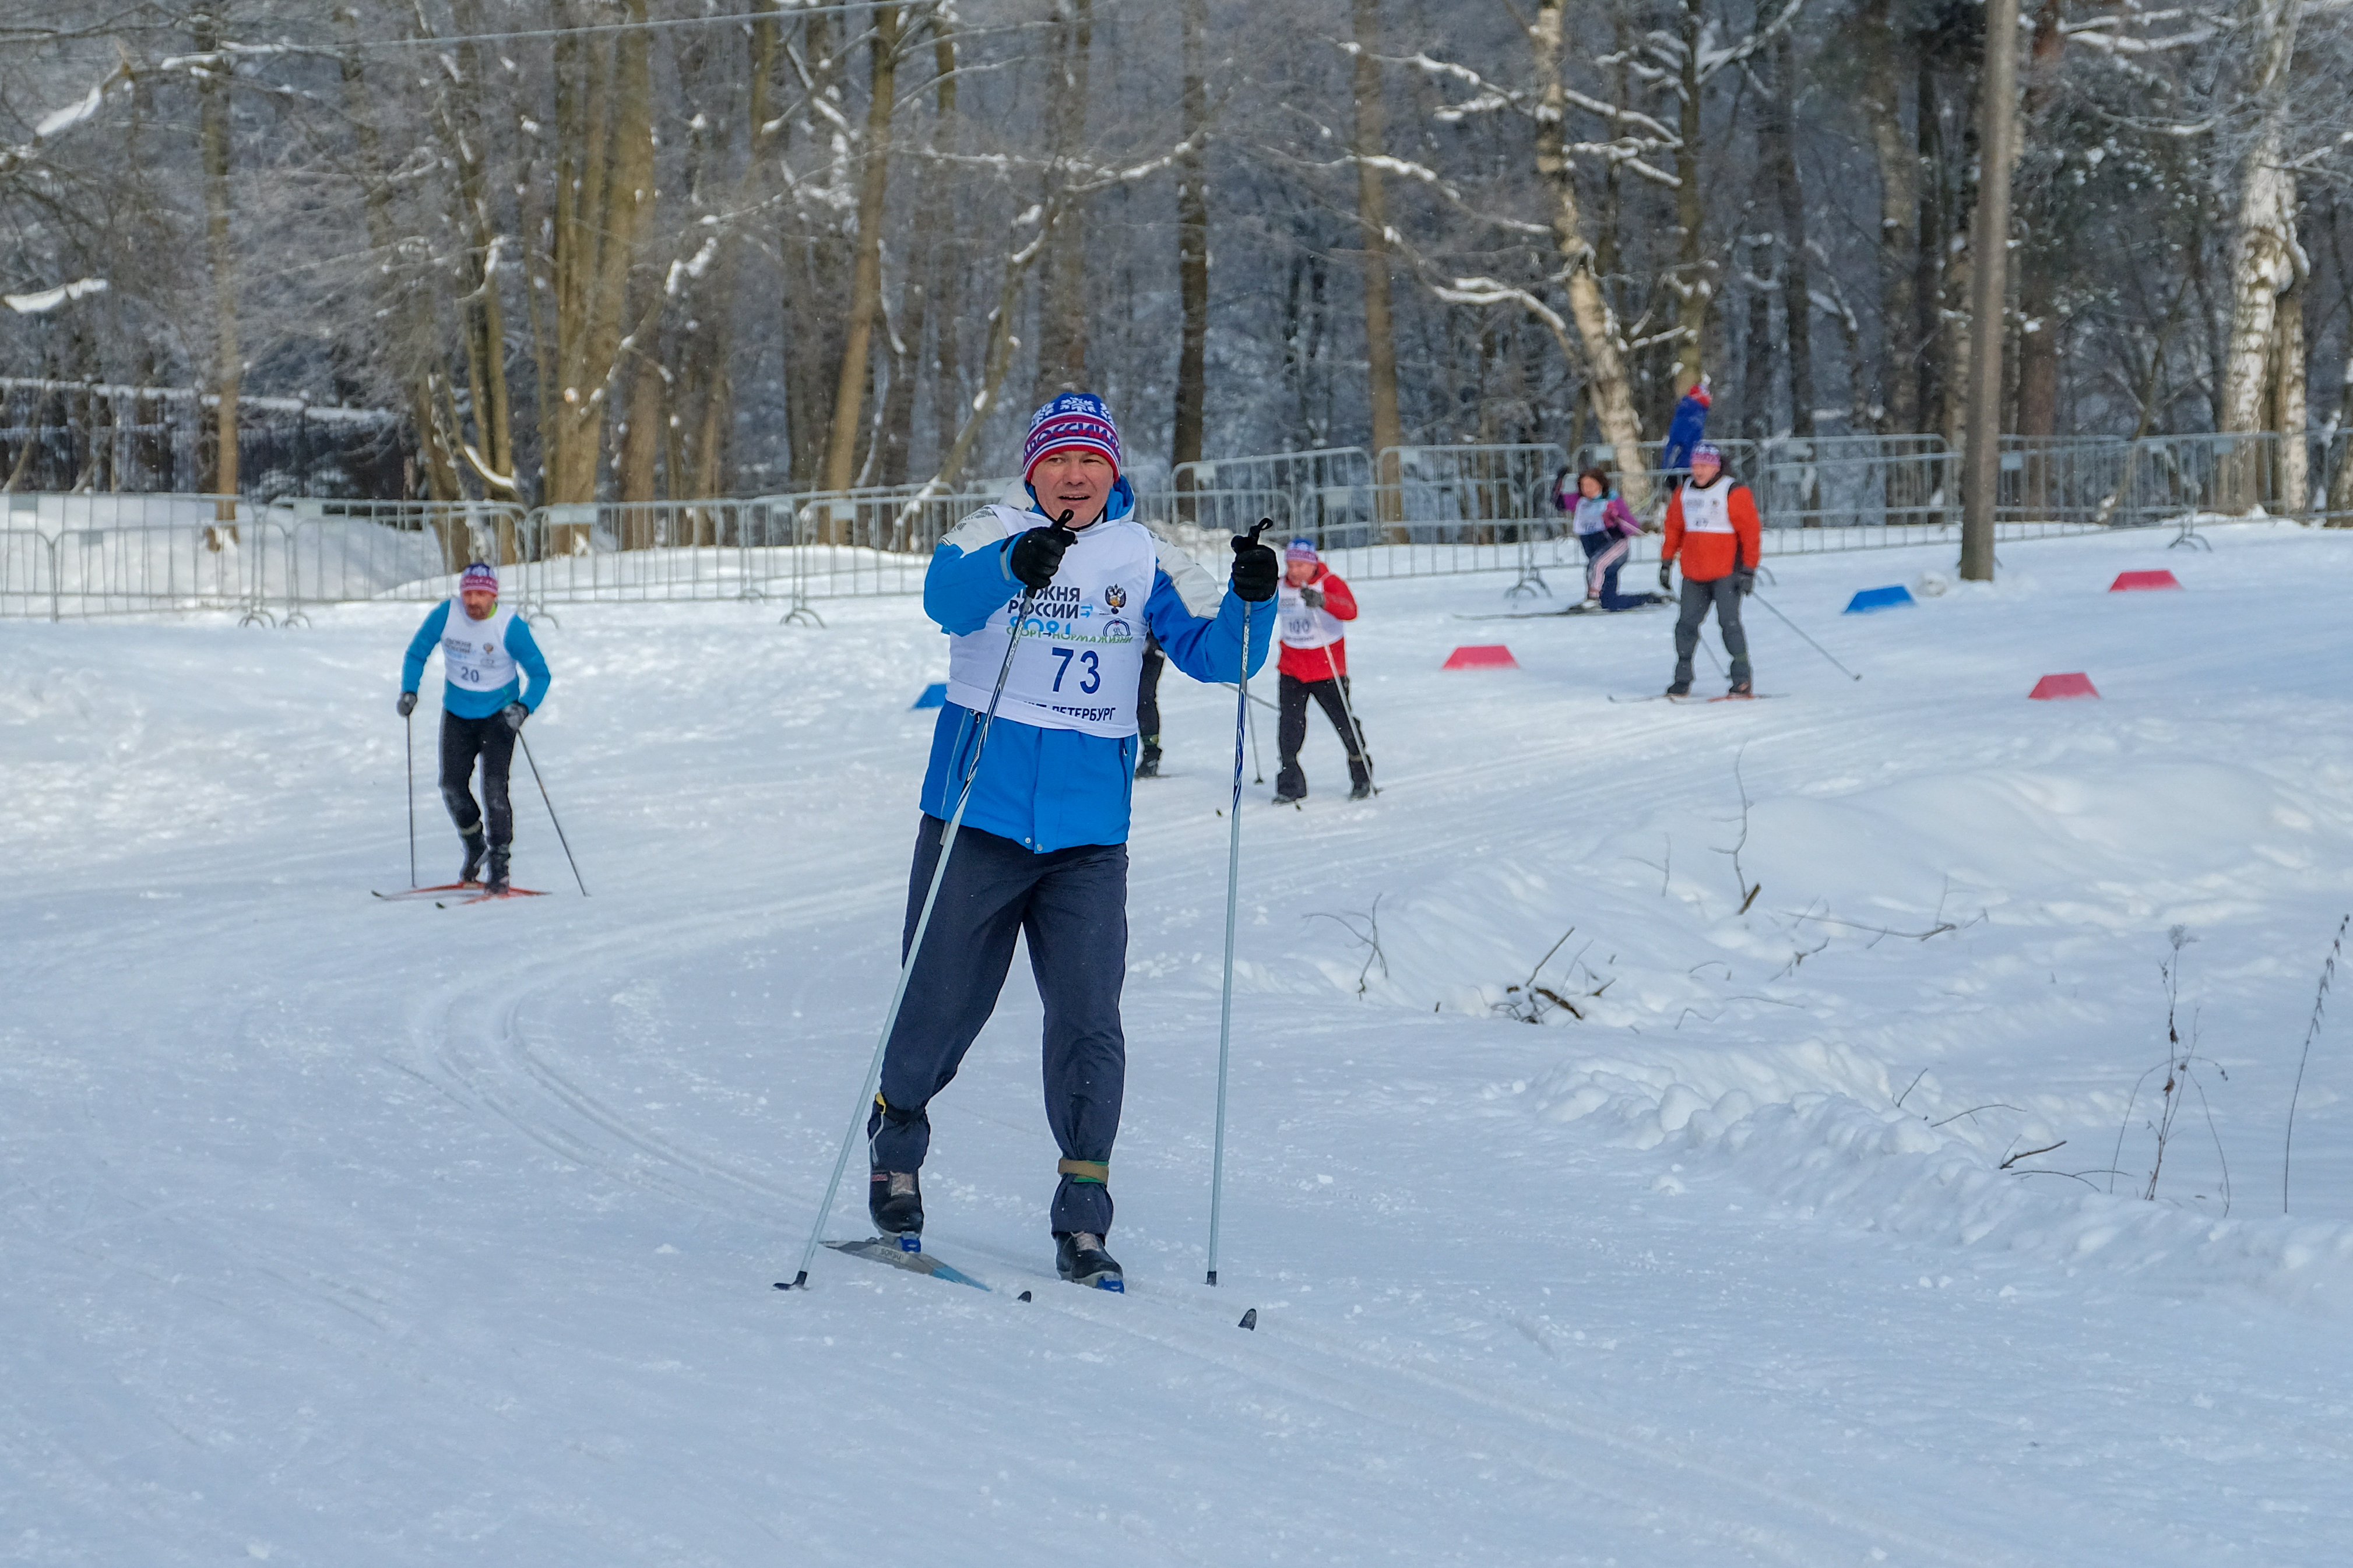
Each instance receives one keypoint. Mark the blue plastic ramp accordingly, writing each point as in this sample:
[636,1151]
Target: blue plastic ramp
[935,695]
[1871,599]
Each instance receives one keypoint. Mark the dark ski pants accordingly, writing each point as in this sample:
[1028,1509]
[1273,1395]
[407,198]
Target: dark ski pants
[464,740]
[1697,596]
[1290,733]
[1072,905]
[1148,692]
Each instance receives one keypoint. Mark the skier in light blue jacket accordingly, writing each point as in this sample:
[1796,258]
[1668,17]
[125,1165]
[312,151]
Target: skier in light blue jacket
[1043,848]
[483,705]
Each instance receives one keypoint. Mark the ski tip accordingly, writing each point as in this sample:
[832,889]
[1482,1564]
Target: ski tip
[1250,1320]
[1116,1286]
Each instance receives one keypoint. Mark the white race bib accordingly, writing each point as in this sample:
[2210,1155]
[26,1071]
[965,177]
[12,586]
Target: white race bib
[474,653]
[1708,511]
[1081,653]
[1304,625]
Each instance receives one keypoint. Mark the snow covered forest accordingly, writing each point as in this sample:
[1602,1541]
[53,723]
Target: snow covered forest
[631,249]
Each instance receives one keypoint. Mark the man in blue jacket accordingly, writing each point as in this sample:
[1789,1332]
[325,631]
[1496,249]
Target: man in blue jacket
[483,705]
[1043,848]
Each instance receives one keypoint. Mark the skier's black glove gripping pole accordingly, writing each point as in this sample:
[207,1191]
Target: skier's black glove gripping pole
[1247,552]
[939,874]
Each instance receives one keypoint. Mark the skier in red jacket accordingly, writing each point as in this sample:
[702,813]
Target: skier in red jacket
[1316,605]
[1712,524]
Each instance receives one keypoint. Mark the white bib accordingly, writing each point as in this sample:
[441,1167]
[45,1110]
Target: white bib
[474,653]
[1081,654]
[1708,511]
[1304,625]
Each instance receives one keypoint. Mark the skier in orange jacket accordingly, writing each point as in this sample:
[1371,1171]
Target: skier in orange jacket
[1711,524]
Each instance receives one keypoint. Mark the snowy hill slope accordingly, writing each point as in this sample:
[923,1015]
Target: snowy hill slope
[339,1231]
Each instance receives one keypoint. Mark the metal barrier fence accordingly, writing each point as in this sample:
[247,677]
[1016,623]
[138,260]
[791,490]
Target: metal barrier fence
[1436,511]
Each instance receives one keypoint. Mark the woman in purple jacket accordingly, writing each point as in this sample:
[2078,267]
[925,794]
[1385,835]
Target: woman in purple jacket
[1606,527]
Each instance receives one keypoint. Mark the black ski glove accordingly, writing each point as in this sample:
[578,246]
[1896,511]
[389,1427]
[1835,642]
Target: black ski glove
[1037,555]
[1744,578]
[1315,597]
[1258,571]
[514,713]
[407,703]
[1666,578]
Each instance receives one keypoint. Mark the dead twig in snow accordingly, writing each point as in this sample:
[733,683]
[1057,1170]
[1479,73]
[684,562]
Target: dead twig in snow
[1370,937]
[2311,1031]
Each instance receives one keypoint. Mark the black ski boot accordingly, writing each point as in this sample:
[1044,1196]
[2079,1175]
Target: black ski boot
[498,882]
[478,847]
[1742,688]
[895,1200]
[1679,688]
[1148,765]
[1079,1257]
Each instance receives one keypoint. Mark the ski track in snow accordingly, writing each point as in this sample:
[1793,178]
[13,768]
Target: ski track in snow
[353,1232]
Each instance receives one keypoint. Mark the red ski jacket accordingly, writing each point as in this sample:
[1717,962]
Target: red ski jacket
[1716,530]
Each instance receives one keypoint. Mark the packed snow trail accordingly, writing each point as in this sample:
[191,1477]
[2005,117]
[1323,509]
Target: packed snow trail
[340,1230]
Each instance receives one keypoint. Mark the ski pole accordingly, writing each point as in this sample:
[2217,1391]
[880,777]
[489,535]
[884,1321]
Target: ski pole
[1810,642]
[1349,708]
[1233,884]
[915,944]
[408,723]
[551,810]
[1258,774]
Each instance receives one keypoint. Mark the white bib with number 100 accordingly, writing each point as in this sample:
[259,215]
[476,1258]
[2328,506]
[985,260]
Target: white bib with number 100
[1081,652]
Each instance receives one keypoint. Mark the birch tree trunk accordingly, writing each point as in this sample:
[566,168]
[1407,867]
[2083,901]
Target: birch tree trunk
[1899,211]
[1373,227]
[1597,329]
[865,275]
[2289,414]
[2263,258]
[209,26]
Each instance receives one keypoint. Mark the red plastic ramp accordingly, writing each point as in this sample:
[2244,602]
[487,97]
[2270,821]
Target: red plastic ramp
[1481,656]
[2137,582]
[2055,687]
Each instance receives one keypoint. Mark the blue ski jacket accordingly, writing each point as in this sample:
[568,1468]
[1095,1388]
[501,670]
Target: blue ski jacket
[1052,789]
[521,644]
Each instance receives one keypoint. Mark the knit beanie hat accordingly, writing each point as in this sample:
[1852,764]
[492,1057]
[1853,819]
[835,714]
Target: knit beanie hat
[1076,419]
[478,579]
[1301,550]
[1707,449]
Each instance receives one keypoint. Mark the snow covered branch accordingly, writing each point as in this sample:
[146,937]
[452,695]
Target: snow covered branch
[48,300]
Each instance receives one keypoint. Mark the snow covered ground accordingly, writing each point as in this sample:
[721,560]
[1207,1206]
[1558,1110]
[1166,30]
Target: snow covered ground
[336,1231]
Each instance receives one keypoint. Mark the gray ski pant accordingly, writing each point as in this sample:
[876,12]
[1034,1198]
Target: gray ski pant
[1697,597]
[1072,905]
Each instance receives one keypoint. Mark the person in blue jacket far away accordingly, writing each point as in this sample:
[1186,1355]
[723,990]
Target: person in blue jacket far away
[1043,848]
[483,705]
